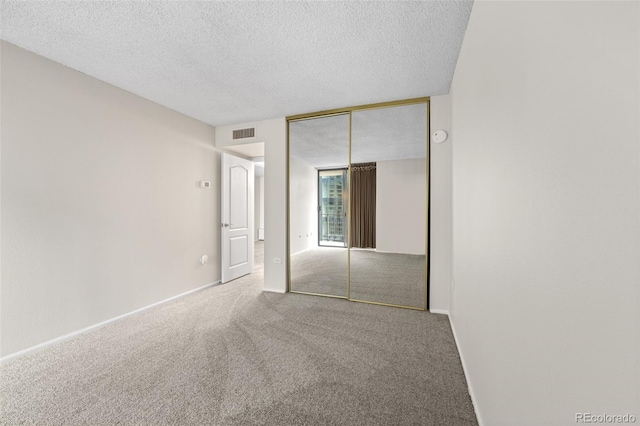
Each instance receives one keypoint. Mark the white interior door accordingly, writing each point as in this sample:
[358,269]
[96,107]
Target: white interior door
[237,217]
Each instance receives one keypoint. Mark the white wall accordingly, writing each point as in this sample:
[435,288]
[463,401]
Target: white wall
[273,133]
[275,209]
[546,225]
[303,205]
[401,206]
[101,209]
[440,216]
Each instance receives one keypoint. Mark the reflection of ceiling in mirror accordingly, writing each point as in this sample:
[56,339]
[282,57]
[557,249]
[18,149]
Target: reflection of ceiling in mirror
[382,134]
[320,142]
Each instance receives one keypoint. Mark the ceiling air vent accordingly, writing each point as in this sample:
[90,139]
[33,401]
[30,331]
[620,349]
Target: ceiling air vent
[244,133]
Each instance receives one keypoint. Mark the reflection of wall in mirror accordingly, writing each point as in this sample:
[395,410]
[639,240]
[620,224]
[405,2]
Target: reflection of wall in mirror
[303,204]
[401,206]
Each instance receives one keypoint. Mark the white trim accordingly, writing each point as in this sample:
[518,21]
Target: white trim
[93,327]
[466,375]
[391,252]
[439,311]
[273,290]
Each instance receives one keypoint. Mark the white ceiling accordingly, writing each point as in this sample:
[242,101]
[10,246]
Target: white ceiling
[396,133]
[382,134]
[232,62]
[320,142]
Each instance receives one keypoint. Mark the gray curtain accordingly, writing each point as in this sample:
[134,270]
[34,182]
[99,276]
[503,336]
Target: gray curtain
[363,205]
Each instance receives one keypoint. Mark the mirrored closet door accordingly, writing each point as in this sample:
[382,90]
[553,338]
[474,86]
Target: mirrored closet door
[358,199]
[389,205]
[318,190]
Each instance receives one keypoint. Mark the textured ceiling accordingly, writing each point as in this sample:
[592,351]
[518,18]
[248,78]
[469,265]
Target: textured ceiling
[383,134]
[320,142]
[232,62]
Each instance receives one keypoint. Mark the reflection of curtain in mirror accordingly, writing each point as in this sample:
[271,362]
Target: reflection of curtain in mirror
[363,205]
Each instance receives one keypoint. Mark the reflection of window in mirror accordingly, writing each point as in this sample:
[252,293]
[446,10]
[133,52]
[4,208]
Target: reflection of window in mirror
[332,207]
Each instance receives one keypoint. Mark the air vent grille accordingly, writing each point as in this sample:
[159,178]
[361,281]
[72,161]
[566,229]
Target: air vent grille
[244,133]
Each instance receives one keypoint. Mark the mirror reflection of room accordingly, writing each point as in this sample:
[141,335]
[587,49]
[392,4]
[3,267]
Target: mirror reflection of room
[318,191]
[389,205]
[358,205]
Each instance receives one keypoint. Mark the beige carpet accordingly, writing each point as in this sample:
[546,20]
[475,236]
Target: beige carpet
[232,355]
[392,278]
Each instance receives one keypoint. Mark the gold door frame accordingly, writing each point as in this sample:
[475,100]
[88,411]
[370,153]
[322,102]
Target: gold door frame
[350,110]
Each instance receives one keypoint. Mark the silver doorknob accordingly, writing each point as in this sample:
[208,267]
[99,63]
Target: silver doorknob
[225,225]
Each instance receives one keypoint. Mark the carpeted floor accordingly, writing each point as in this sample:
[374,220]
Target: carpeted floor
[232,355]
[375,277]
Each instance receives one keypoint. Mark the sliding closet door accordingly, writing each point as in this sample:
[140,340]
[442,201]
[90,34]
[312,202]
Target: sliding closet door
[318,191]
[388,218]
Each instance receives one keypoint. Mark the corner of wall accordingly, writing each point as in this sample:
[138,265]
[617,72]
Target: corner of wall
[275,207]
[440,207]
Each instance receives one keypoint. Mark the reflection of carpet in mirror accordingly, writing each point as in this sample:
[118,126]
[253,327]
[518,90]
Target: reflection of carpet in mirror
[392,278]
[320,270]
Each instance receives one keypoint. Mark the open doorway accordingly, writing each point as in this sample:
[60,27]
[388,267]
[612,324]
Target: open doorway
[254,152]
[259,215]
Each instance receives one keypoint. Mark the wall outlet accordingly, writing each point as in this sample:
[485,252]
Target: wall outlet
[277,260]
[204,259]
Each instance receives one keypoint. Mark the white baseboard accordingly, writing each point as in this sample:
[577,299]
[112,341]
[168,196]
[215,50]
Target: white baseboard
[273,290]
[392,252]
[93,327]
[466,375]
[439,311]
